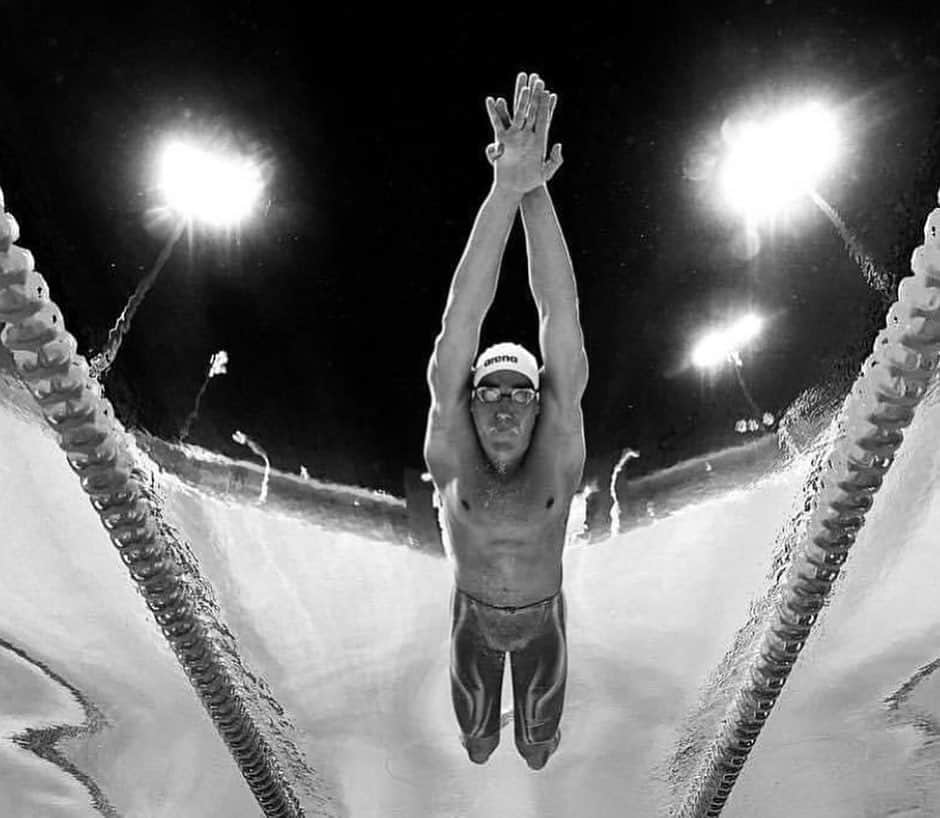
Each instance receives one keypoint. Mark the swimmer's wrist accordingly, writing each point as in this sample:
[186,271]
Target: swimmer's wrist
[506,194]
[539,191]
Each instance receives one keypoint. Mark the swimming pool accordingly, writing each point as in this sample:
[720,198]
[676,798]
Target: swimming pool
[336,640]
[349,635]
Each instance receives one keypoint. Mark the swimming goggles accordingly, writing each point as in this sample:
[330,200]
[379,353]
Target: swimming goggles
[523,395]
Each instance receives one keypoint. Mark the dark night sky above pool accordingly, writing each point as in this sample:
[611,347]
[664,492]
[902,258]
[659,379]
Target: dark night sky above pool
[372,128]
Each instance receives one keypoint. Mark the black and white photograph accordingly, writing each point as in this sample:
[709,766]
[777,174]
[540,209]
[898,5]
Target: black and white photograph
[469,410]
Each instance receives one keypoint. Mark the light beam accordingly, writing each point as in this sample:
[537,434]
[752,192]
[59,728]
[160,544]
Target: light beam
[217,188]
[769,163]
[724,344]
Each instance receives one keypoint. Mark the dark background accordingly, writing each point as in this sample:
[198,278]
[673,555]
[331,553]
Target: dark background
[371,127]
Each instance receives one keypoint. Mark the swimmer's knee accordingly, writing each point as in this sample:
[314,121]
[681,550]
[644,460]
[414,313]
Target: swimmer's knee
[479,749]
[536,755]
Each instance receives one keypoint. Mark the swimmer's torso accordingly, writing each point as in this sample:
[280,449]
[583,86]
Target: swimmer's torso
[506,534]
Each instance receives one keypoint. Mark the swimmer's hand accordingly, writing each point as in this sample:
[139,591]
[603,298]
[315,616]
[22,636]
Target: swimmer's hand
[518,152]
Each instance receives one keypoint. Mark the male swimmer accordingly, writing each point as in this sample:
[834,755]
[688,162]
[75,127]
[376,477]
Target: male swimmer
[505,448]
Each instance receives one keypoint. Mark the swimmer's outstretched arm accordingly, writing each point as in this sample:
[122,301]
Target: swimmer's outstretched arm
[471,295]
[517,169]
[551,279]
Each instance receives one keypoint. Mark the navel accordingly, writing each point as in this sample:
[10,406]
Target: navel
[465,504]
[550,503]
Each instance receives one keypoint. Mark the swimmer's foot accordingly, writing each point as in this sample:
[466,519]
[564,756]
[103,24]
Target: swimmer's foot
[537,755]
[479,750]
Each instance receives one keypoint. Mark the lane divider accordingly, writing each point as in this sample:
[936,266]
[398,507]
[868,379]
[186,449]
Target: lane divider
[881,404]
[96,449]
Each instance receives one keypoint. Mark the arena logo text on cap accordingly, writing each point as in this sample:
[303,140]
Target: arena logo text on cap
[497,359]
[506,355]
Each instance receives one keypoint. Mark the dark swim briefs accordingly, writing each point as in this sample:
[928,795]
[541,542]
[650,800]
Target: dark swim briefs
[534,636]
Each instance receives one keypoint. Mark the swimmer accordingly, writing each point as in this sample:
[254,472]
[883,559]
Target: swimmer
[505,448]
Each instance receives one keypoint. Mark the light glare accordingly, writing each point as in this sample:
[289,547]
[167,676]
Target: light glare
[214,188]
[724,344]
[770,163]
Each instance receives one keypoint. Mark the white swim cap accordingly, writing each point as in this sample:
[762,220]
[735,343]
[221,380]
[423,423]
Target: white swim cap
[506,356]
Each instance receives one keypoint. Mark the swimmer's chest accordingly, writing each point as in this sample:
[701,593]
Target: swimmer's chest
[526,501]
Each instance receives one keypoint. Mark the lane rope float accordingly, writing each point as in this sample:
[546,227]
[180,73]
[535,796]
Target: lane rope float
[97,451]
[893,381]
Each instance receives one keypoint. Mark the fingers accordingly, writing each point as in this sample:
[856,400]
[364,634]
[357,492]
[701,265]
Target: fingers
[494,151]
[519,114]
[552,101]
[544,116]
[495,118]
[499,114]
[533,106]
[554,162]
[521,82]
[503,112]
[546,110]
[536,101]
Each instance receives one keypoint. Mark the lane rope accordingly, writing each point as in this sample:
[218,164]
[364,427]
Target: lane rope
[97,450]
[892,383]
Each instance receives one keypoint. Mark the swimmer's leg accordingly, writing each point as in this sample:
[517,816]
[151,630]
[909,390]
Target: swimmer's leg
[476,680]
[539,674]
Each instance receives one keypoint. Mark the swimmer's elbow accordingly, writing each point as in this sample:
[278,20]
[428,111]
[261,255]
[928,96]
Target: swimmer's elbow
[448,370]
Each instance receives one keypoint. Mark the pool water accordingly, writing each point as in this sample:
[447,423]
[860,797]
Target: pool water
[340,640]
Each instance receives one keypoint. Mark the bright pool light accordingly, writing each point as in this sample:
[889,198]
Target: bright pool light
[724,344]
[771,162]
[211,187]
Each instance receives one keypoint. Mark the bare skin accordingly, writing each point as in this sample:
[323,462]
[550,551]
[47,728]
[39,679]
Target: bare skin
[506,473]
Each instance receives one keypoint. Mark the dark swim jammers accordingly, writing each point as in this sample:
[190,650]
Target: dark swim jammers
[534,636]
